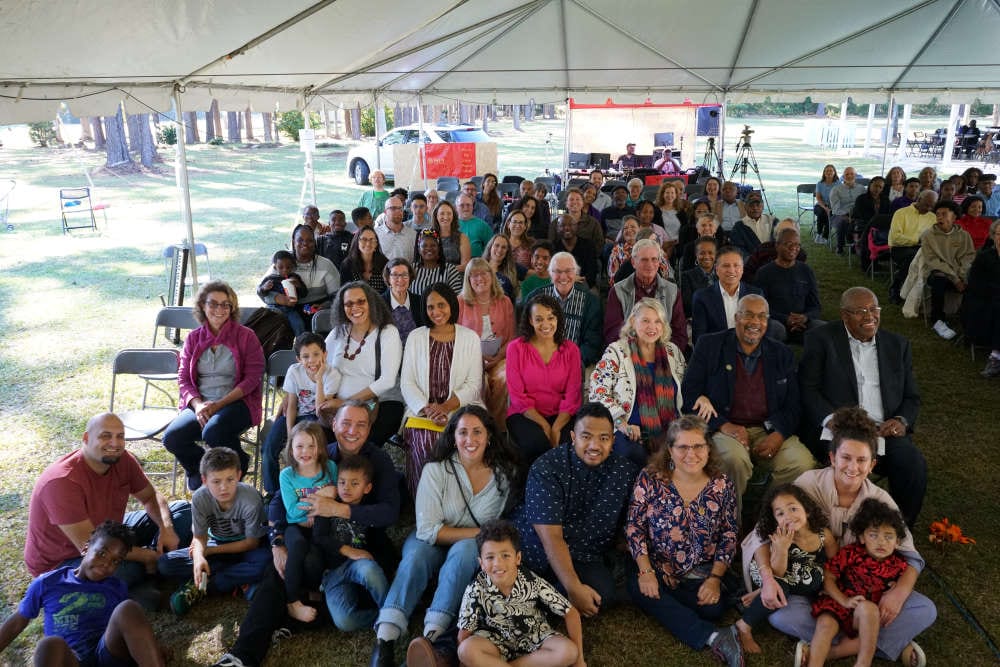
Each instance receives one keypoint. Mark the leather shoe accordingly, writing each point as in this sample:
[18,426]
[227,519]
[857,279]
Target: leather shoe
[421,653]
[384,654]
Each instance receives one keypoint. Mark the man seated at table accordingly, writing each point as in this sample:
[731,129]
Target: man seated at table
[629,160]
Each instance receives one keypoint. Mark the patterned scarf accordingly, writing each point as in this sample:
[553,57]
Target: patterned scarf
[655,392]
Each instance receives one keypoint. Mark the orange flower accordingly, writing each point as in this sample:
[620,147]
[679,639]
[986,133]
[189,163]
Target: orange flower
[944,531]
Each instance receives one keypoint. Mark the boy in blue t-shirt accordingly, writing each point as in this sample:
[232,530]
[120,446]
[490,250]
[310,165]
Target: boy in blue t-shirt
[228,525]
[89,619]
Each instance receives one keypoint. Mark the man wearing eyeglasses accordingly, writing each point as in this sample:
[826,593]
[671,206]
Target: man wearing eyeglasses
[743,383]
[853,362]
[394,238]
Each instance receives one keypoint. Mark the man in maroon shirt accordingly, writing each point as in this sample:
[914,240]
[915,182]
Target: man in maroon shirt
[90,485]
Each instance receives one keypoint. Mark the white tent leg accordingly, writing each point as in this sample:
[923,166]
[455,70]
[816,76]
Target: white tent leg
[842,126]
[569,130]
[949,142]
[722,135]
[420,140]
[868,128]
[183,187]
[888,128]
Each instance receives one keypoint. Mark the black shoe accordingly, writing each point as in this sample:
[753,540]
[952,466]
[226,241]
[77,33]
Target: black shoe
[726,647]
[384,654]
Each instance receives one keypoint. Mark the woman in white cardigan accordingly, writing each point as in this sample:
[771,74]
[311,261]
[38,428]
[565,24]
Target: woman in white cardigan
[639,380]
[442,371]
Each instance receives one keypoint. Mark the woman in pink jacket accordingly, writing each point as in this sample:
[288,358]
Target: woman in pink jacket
[220,376]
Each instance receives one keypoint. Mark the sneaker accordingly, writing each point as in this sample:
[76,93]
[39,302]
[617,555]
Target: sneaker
[913,656]
[727,648]
[801,654]
[229,660]
[278,635]
[943,330]
[185,597]
[992,369]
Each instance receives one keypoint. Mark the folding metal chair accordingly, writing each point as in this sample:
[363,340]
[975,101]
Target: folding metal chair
[75,201]
[322,321]
[808,189]
[449,184]
[274,376]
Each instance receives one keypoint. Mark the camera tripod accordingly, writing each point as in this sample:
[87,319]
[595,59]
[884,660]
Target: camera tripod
[712,162]
[746,161]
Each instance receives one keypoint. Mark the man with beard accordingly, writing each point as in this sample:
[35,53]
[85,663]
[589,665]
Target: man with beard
[752,399]
[91,485]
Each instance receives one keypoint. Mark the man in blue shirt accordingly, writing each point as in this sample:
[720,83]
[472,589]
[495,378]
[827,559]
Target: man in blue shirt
[574,506]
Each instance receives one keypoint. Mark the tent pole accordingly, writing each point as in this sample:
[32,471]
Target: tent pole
[905,132]
[722,135]
[183,187]
[310,174]
[888,128]
[949,142]
[421,153]
[569,127]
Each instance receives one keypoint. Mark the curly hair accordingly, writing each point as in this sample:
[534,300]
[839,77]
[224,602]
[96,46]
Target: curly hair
[378,310]
[873,513]
[853,423]
[113,530]
[216,286]
[500,456]
[767,524]
[527,330]
[498,530]
[660,461]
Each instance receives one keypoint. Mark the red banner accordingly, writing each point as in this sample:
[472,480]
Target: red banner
[449,160]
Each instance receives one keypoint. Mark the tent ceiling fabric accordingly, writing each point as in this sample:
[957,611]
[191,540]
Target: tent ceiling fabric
[348,51]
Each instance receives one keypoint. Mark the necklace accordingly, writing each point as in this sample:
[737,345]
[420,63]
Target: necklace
[352,357]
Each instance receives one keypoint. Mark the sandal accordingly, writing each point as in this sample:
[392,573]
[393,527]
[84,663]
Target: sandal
[801,654]
[913,656]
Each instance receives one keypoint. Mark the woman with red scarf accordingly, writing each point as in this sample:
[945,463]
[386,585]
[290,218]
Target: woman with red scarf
[639,380]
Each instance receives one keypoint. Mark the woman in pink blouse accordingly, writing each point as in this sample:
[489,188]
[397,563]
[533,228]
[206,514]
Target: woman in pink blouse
[682,532]
[544,379]
[484,308]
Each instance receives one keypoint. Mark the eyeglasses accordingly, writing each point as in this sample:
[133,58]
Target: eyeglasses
[747,315]
[218,305]
[863,312]
[351,304]
[687,449]
[398,276]
[394,208]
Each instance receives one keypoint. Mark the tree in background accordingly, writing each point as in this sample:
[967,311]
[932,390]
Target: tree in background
[248,124]
[42,133]
[191,127]
[117,151]
[233,123]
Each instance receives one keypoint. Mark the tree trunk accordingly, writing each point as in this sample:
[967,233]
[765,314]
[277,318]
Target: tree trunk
[117,151]
[356,122]
[57,125]
[210,124]
[85,132]
[248,115]
[147,144]
[98,129]
[530,111]
[191,127]
[134,133]
[217,118]
[486,118]
[516,113]
[233,125]
[268,138]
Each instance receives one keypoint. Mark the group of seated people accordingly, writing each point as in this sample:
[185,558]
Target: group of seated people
[564,416]
[941,237]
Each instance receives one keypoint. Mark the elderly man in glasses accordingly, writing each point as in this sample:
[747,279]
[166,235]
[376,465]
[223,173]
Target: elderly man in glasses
[744,385]
[853,362]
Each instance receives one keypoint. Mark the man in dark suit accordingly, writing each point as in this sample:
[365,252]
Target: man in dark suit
[713,308]
[852,362]
[750,381]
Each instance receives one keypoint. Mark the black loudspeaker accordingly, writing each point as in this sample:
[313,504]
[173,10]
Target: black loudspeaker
[708,121]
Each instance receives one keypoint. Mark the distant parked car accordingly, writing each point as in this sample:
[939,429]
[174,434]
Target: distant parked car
[361,159]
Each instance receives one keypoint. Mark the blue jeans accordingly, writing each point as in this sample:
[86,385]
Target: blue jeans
[454,566]
[354,593]
[146,533]
[222,430]
[677,609]
[294,317]
[227,570]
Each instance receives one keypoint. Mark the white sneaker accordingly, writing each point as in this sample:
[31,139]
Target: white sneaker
[943,330]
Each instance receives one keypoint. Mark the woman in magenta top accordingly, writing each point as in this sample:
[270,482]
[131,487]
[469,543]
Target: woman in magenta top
[544,379]
[220,375]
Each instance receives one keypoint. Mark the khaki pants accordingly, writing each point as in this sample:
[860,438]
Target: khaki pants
[739,463]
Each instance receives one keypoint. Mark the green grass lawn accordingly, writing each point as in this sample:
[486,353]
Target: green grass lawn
[67,303]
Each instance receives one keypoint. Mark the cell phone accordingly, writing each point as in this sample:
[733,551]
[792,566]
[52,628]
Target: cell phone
[204,583]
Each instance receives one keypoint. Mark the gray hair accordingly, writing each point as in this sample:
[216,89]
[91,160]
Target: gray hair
[634,181]
[747,298]
[642,244]
[852,292]
[561,255]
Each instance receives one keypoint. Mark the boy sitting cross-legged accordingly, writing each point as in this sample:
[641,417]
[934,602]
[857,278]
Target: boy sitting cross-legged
[89,619]
[228,525]
[503,616]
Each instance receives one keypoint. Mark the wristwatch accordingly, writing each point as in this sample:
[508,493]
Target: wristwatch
[278,541]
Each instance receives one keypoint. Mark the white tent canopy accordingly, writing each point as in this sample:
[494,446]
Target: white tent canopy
[256,54]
